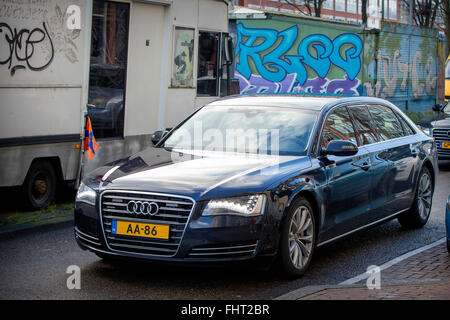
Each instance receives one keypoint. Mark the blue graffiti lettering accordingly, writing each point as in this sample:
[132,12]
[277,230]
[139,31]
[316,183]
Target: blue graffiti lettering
[324,47]
[352,63]
[268,49]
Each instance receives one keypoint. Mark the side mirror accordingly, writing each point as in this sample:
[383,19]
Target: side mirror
[437,107]
[158,135]
[340,148]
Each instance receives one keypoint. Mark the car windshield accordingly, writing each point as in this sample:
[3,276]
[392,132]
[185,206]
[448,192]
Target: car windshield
[446,109]
[246,129]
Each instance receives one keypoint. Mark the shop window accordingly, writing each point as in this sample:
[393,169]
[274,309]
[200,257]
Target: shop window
[208,57]
[108,67]
[212,76]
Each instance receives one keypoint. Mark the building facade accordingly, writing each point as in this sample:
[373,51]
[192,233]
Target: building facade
[340,10]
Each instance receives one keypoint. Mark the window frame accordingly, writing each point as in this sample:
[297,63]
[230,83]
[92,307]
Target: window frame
[372,125]
[121,136]
[323,124]
[316,145]
[219,62]
[395,115]
[403,121]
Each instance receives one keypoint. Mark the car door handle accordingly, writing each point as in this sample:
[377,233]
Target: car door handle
[365,165]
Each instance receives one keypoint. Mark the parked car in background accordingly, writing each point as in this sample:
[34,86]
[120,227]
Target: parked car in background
[325,168]
[438,126]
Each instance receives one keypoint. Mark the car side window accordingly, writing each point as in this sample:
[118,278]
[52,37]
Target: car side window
[338,127]
[407,128]
[387,124]
[363,125]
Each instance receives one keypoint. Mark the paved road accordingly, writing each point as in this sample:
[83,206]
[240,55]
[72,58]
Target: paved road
[33,266]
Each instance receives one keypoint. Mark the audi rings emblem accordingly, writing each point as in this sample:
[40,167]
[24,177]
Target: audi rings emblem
[142,207]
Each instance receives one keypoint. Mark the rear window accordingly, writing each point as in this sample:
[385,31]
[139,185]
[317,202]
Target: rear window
[407,128]
[387,124]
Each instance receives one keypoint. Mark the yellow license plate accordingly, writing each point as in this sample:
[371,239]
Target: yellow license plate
[445,145]
[137,229]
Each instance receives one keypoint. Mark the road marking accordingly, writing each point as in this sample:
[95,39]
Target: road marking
[390,263]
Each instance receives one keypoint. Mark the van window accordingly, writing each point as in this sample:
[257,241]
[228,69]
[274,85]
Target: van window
[108,67]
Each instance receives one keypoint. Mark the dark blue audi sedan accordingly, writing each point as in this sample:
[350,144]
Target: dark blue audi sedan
[261,178]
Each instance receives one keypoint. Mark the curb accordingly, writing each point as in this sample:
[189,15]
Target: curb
[352,282]
[309,290]
[365,275]
[44,225]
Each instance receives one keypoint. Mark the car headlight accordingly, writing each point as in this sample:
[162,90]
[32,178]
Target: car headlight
[251,205]
[86,194]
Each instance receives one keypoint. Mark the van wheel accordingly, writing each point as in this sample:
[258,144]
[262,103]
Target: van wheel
[418,215]
[297,241]
[39,186]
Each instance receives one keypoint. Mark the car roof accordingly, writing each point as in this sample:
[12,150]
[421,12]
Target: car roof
[310,102]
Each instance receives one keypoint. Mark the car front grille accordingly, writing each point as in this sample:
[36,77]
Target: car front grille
[224,251]
[440,135]
[174,211]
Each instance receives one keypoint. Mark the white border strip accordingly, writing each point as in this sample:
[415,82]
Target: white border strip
[388,264]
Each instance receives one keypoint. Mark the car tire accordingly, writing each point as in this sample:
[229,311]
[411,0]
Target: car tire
[295,246]
[39,187]
[417,216]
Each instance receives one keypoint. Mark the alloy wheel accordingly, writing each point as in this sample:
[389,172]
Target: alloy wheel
[424,196]
[301,237]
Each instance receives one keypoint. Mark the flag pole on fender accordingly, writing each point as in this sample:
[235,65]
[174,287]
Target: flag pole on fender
[90,145]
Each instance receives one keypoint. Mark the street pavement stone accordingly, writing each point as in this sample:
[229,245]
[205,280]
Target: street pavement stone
[425,275]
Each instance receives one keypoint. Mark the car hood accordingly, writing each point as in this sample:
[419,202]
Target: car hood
[435,119]
[441,123]
[200,175]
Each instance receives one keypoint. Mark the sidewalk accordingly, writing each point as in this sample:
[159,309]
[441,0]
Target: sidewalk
[19,220]
[425,275]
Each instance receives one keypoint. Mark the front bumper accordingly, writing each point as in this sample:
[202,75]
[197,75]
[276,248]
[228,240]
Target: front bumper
[205,239]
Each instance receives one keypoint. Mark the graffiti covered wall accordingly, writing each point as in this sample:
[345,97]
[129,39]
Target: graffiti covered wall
[284,54]
[37,38]
[402,66]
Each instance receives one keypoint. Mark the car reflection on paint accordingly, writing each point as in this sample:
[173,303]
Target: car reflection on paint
[323,169]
